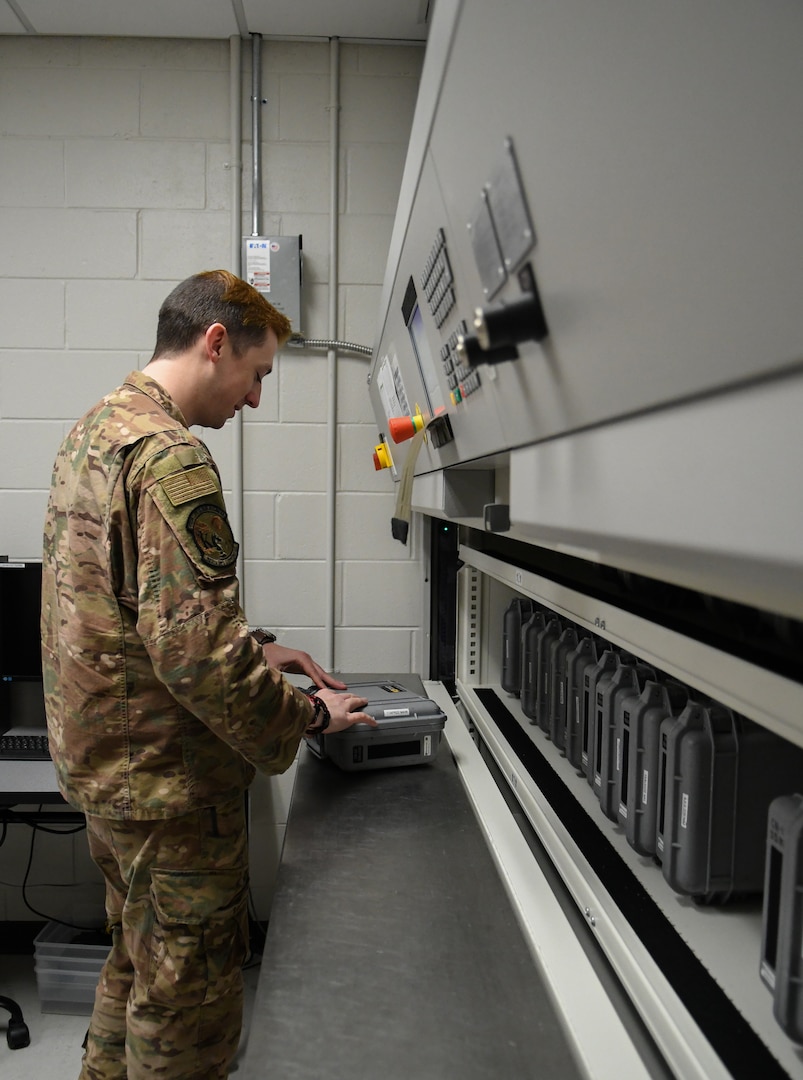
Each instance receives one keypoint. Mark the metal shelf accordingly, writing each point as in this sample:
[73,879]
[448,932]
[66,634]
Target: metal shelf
[769,699]
[725,940]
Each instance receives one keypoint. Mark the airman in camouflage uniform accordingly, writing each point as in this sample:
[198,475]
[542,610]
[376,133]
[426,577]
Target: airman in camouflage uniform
[159,701]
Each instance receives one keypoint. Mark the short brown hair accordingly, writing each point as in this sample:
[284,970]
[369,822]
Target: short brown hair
[217,296]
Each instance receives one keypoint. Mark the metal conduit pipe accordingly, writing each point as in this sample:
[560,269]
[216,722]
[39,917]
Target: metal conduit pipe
[256,134]
[235,177]
[331,486]
[299,342]
[238,497]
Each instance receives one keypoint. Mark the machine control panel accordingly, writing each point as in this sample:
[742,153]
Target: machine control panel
[437,281]
[654,288]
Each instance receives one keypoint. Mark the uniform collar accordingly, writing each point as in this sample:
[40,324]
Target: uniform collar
[146,385]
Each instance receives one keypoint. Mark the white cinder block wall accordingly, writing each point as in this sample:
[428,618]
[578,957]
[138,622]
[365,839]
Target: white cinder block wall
[115,185]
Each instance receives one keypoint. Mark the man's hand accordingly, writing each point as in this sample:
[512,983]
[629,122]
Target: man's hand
[300,663]
[343,710]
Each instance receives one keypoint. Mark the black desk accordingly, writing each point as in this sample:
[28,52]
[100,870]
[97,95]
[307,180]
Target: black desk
[393,951]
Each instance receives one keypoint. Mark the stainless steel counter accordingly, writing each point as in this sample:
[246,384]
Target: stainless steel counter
[393,952]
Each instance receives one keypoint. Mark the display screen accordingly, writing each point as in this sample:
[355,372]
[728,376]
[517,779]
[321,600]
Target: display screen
[426,365]
[20,599]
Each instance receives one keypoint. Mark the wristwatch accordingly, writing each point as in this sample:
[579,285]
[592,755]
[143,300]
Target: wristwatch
[264,637]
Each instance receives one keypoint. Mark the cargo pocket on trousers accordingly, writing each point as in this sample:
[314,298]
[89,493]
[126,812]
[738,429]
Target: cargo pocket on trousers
[200,935]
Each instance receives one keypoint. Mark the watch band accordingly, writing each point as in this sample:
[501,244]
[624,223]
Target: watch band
[264,637]
[320,717]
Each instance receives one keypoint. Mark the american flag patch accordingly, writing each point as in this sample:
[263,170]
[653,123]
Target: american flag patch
[189,484]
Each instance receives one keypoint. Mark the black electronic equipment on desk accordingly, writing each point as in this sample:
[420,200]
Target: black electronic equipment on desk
[27,774]
[26,771]
[23,726]
[20,601]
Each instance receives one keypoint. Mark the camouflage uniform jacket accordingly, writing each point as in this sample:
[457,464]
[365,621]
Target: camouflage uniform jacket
[158,699]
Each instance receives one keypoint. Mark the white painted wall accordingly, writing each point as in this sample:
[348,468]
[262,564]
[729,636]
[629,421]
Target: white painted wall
[114,186]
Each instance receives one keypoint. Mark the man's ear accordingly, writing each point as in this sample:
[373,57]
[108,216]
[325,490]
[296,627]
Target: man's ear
[213,340]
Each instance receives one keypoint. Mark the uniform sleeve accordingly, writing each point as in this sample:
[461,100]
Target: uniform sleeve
[190,620]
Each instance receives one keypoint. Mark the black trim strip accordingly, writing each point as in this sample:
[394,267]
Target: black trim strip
[730,1035]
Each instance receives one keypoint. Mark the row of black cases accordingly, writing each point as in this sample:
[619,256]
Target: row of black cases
[693,784]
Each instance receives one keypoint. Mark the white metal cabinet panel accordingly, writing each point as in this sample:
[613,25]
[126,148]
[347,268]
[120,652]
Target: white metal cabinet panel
[660,150]
[707,495]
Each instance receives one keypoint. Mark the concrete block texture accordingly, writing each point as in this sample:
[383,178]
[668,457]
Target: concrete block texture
[382,594]
[364,242]
[32,172]
[303,106]
[363,527]
[373,177]
[259,523]
[391,60]
[65,243]
[145,173]
[356,471]
[285,457]
[113,314]
[22,514]
[51,385]
[353,405]
[296,535]
[286,593]
[170,100]
[377,108]
[177,243]
[69,102]
[297,177]
[32,313]
[374,649]
[41,440]
[303,386]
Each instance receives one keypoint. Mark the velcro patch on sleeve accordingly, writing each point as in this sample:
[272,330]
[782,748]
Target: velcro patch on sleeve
[209,527]
[182,487]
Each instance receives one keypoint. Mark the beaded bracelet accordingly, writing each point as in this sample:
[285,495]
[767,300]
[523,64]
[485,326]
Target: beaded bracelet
[321,713]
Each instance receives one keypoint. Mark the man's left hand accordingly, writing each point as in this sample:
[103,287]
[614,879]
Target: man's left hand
[300,663]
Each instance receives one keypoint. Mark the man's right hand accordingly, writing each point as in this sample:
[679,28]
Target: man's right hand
[344,710]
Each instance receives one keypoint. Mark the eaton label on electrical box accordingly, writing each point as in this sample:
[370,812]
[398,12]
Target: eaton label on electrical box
[257,263]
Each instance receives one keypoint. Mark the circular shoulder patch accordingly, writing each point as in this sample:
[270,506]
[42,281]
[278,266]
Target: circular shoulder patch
[210,529]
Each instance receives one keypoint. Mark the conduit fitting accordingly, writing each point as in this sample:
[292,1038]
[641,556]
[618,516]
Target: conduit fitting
[298,341]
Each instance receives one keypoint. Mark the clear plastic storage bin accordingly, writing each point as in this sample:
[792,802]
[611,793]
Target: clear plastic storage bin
[67,964]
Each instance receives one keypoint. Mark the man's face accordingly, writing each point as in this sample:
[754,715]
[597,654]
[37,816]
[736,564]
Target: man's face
[238,379]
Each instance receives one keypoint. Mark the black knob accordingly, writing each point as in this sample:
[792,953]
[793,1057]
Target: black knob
[511,323]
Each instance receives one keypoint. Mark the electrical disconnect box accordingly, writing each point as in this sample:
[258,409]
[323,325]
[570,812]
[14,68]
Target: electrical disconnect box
[272,264]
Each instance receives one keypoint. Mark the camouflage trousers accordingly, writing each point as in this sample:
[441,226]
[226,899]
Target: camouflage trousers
[170,996]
